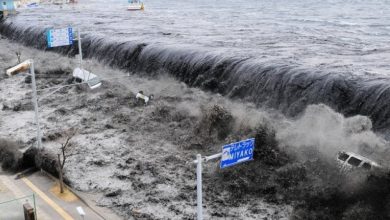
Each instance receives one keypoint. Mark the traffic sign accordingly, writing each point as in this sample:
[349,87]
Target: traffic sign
[232,154]
[59,37]
[238,152]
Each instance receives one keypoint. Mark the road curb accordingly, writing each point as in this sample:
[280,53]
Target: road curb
[74,192]
[25,172]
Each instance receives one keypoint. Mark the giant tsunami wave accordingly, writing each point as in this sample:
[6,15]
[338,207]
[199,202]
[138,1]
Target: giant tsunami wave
[284,87]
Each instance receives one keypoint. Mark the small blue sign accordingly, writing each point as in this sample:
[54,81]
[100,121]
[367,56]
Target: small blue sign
[238,152]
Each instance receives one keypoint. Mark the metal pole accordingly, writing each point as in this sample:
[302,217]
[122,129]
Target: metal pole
[35,102]
[199,187]
[35,208]
[80,50]
[213,156]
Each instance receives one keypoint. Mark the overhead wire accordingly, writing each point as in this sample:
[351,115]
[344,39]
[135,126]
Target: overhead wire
[57,88]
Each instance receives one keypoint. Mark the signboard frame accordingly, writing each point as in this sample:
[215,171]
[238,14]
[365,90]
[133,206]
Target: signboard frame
[59,37]
[237,152]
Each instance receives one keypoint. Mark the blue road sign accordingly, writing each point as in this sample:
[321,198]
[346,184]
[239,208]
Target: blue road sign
[238,152]
[59,37]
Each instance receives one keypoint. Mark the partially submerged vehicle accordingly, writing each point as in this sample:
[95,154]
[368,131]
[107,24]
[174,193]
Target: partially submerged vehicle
[32,5]
[81,75]
[140,95]
[62,2]
[7,7]
[135,5]
[349,161]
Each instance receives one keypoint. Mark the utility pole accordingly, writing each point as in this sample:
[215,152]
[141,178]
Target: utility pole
[35,102]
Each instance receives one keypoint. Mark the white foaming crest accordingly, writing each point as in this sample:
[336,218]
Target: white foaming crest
[330,132]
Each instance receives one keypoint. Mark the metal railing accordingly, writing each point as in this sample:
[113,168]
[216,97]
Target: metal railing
[15,209]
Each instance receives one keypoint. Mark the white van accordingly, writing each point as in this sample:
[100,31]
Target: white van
[349,161]
[82,75]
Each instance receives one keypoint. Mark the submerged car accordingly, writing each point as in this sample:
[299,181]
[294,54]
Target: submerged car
[81,75]
[135,5]
[349,161]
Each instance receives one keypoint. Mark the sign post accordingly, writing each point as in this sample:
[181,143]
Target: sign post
[80,50]
[231,155]
[199,196]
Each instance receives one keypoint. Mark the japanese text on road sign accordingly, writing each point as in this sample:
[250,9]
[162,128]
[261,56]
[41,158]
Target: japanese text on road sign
[238,152]
[59,37]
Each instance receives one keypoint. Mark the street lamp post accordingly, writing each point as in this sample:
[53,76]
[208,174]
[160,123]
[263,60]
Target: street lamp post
[24,66]
[35,102]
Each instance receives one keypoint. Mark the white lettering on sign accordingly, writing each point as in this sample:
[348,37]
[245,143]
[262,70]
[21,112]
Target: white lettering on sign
[59,37]
[237,152]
